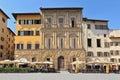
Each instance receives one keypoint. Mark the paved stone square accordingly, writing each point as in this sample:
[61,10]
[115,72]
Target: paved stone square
[58,76]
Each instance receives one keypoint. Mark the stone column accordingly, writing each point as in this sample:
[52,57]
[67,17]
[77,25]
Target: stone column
[80,37]
[67,40]
[55,38]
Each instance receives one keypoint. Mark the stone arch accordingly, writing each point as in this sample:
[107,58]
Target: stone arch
[89,59]
[47,55]
[106,59]
[97,59]
[74,54]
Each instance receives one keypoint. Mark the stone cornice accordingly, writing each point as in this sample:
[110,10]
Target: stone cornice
[61,29]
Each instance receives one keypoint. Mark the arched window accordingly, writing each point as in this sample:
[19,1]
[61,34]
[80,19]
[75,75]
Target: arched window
[73,43]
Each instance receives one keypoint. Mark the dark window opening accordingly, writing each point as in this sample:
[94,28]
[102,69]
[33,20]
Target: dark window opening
[89,43]
[88,26]
[36,46]
[19,46]
[28,46]
[98,43]
[37,21]
[3,20]
[37,33]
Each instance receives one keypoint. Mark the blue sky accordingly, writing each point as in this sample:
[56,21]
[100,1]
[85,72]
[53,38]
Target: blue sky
[94,9]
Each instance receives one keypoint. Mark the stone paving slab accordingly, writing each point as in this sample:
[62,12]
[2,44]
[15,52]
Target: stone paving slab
[58,76]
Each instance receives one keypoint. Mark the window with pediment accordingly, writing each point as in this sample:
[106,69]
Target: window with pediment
[61,43]
[60,22]
[73,22]
[73,42]
[48,22]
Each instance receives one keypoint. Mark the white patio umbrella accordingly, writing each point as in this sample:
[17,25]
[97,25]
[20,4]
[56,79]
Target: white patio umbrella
[48,62]
[6,61]
[16,61]
[78,62]
[99,62]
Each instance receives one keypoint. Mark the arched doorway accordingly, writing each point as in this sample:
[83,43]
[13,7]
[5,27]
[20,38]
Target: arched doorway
[61,63]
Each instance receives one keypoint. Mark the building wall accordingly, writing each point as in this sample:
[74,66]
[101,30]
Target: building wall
[94,34]
[6,38]
[54,33]
[31,27]
[10,44]
[114,46]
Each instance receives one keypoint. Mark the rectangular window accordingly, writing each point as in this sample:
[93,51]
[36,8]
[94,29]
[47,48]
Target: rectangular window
[33,59]
[21,33]
[37,33]
[37,21]
[48,59]
[1,55]
[60,43]
[98,43]
[106,44]
[36,46]
[89,53]
[1,47]
[106,54]
[112,60]
[3,19]
[29,21]
[2,30]
[49,22]
[29,46]
[73,22]
[2,38]
[88,26]
[74,59]
[111,52]
[99,54]
[48,43]
[101,27]
[116,43]
[73,43]
[111,43]
[22,22]
[60,22]
[19,46]
[117,52]
[89,42]
[28,33]
[119,60]
[104,35]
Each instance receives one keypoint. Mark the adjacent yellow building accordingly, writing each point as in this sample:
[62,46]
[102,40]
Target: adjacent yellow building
[54,34]
[6,38]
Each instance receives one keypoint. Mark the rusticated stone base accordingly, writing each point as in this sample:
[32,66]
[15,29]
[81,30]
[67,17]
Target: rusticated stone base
[53,54]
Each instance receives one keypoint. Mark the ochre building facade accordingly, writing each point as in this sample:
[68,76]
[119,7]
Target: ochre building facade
[54,34]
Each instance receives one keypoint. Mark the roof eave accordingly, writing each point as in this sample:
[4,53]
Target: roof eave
[4,13]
